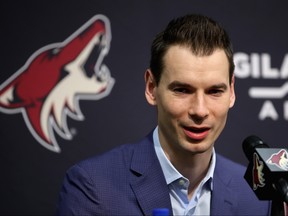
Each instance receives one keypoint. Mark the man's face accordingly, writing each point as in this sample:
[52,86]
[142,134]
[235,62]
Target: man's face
[193,98]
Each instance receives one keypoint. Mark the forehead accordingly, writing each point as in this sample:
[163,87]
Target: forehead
[181,63]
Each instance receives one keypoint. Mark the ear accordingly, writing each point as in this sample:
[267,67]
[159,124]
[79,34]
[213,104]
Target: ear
[150,87]
[232,92]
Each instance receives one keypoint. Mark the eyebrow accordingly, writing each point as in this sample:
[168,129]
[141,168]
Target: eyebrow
[178,84]
[220,85]
[182,84]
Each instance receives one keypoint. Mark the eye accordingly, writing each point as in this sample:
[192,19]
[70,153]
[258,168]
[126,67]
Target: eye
[181,90]
[216,92]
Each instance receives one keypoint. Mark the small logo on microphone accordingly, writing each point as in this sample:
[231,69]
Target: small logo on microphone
[279,159]
[257,174]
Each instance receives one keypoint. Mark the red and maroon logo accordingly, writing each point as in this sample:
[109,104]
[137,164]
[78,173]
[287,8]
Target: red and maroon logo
[279,159]
[49,86]
[257,172]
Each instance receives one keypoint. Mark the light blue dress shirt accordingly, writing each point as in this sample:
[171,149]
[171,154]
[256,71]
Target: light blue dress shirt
[178,185]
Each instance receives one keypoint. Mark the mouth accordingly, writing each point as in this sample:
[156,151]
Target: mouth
[196,133]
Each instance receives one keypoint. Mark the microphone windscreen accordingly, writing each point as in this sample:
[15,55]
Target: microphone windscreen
[250,143]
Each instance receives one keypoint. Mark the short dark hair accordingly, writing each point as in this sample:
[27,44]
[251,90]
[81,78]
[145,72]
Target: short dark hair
[200,33]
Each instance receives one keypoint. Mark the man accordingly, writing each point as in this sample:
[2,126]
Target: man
[191,83]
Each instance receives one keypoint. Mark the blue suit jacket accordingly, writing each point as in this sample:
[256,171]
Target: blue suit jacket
[128,180]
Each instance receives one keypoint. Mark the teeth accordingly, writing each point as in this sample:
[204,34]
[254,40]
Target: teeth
[103,74]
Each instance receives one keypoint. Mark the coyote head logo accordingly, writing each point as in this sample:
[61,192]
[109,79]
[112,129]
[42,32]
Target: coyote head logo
[279,159]
[257,172]
[49,86]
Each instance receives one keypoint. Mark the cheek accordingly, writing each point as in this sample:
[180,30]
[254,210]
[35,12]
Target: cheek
[219,109]
[176,108]
[169,110]
[166,108]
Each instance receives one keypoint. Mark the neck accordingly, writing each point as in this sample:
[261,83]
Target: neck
[194,167]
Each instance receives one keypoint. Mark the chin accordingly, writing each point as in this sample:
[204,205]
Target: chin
[199,147]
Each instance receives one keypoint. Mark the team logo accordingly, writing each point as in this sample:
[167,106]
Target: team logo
[279,159]
[258,176]
[49,86]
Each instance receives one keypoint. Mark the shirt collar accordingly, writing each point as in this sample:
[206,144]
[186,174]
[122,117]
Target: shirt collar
[170,172]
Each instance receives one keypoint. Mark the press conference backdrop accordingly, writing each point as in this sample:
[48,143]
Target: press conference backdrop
[81,119]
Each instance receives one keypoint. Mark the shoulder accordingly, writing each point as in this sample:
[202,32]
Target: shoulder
[223,163]
[92,185]
[230,173]
[229,177]
[112,159]
[118,158]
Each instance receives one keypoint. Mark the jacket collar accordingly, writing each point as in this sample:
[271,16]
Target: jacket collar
[147,181]
[222,194]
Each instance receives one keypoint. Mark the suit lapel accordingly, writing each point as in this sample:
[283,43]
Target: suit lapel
[147,179]
[224,201]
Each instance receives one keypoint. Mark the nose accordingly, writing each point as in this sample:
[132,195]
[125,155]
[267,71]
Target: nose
[198,108]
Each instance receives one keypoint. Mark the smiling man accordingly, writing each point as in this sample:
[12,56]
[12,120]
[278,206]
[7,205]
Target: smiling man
[190,81]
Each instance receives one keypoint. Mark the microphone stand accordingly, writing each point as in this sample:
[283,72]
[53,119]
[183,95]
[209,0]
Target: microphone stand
[279,208]
[280,204]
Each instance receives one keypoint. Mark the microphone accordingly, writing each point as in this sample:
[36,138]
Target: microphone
[267,172]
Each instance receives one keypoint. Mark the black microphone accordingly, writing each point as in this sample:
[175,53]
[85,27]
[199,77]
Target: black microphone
[267,172]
